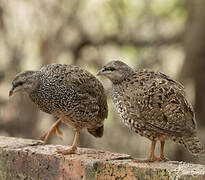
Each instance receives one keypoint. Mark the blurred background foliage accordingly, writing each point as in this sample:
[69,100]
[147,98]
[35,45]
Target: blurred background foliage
[167,36]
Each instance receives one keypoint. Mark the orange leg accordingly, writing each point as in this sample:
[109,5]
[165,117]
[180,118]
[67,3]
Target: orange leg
[152,157]
[162,157]
[54,129]
[73,149]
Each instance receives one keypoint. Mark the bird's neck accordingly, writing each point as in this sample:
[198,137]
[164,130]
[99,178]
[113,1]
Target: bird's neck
[32,86]
[126,75]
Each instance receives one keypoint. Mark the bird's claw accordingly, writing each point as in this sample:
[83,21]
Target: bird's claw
[145,160]
[42,137]
[68,151]
[152,159]
[162,159]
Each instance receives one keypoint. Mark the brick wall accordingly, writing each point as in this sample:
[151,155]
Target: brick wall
[24,159]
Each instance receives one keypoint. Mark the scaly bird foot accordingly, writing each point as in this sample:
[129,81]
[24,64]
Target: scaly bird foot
[68,151]
[42,137]
[151,159]
[162,159]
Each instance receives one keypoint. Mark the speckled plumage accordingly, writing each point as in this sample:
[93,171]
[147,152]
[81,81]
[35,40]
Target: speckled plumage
[153,105]
[68,92]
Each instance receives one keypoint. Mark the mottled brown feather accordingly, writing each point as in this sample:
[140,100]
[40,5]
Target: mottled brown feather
[152,104]
[70,93]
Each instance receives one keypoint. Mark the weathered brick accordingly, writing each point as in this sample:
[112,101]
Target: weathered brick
[25,159]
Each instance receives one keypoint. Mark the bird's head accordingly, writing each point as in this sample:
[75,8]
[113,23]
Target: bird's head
[116,71]
[24,81]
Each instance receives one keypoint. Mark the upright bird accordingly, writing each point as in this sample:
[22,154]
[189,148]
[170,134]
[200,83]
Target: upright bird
[71,94]
[153,105]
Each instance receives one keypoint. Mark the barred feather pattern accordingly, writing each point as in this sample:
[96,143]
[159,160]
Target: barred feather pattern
[153,105]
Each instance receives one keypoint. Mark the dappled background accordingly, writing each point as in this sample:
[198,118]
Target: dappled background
[166,36]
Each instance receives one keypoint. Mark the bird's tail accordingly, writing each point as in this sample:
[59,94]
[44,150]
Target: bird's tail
[194,145]
[97,132]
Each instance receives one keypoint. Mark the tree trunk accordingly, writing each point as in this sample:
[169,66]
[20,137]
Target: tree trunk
[194,42]
[194,66]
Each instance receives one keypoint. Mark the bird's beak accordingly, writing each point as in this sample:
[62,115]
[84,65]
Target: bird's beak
[100,72]
[11,91]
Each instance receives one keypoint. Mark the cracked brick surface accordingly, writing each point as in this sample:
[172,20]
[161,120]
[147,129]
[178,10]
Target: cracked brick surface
[24,159]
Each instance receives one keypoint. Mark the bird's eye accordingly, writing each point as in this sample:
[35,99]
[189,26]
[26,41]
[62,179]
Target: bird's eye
[20,83]
[110,69]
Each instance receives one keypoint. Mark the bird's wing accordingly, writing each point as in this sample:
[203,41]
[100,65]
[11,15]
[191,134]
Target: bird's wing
[91,94]
[160,103]
[82,91]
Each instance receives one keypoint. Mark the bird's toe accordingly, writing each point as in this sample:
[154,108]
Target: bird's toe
[162,159]
[68,151]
